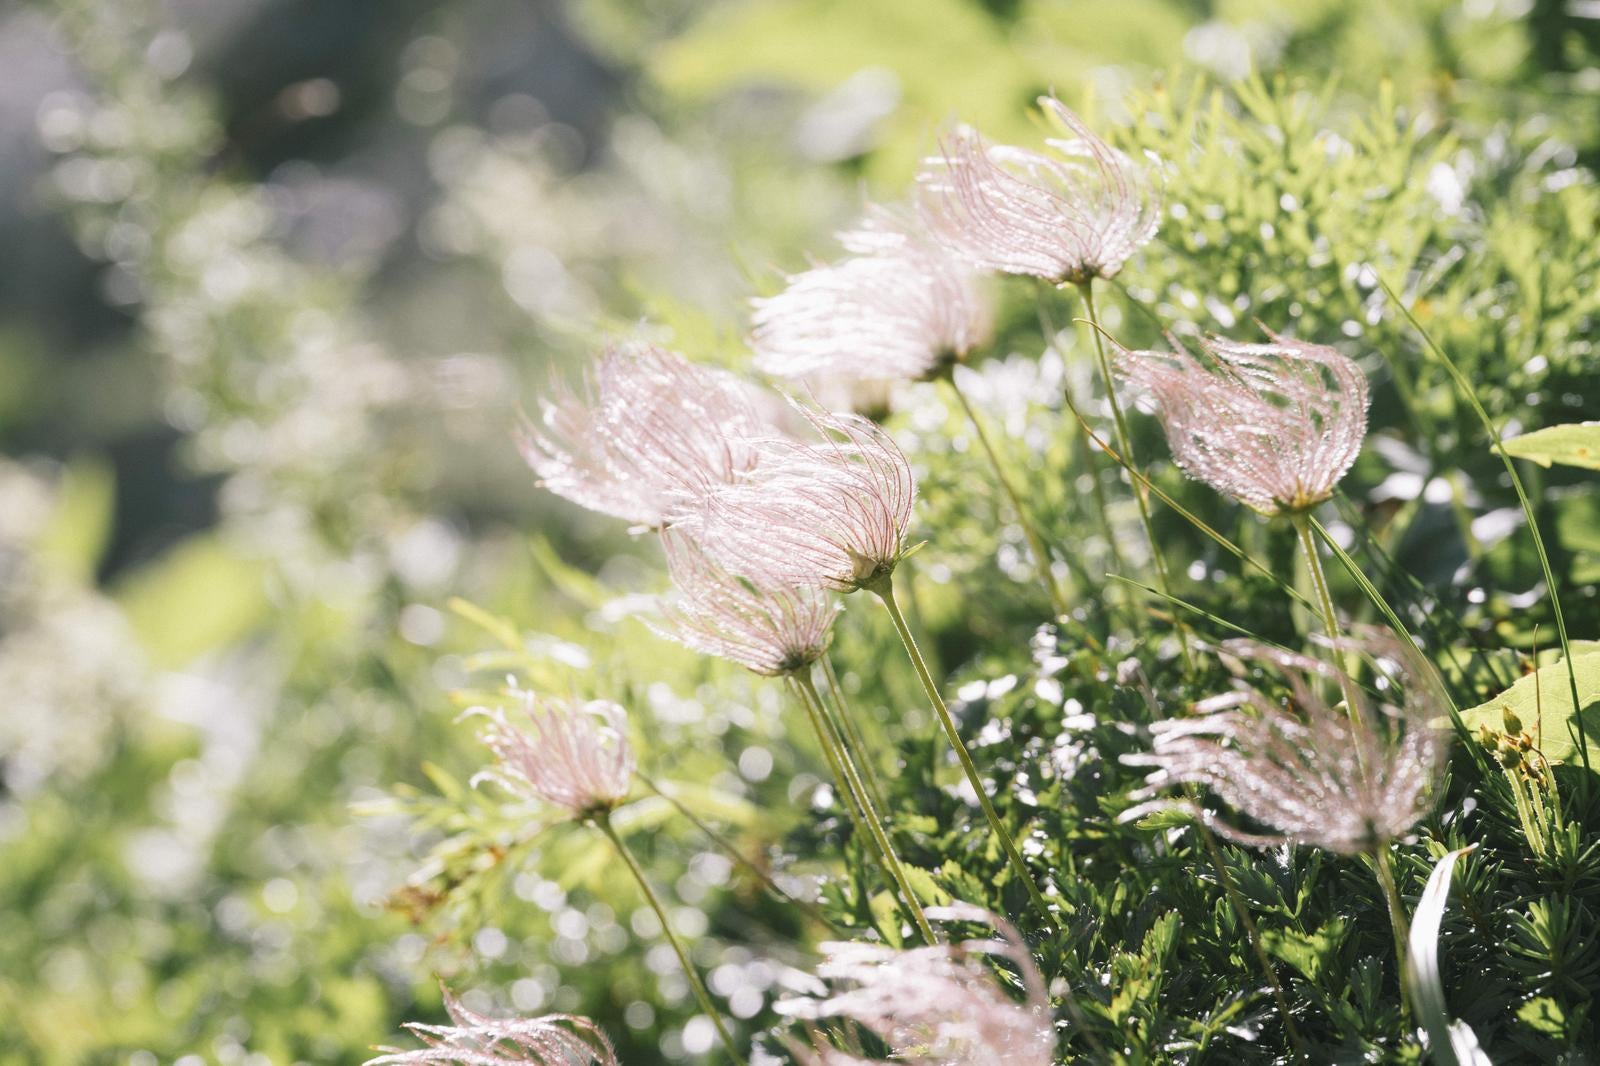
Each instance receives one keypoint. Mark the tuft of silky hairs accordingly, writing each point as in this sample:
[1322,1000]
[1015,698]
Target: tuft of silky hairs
[829,513]
[771,631]
[478,1040]
[650,426]
[939,1005]
[568,753]
[1071,215]
[901,308]
[1273,425]
[1345,778]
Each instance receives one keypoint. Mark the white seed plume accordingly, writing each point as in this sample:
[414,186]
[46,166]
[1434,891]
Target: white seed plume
[940,1005]
[478,1040]
[1275,426]
[715,612]
[1070,216]
[831,514]
[1308,771]
[654,425]
[901,308]
[573,754]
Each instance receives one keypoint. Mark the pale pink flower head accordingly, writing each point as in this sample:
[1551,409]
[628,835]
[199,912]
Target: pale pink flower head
[773,632]
[572,754]
[1069,216]
[652,426]
[1302,768]
[902,308]
[1275,425]
[478,1040]
[940,1005]
[831,514]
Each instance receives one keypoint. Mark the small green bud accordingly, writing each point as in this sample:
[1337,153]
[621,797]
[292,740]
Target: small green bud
[1513,723]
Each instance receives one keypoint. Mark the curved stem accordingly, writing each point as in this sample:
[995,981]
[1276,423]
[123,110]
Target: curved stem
[842,765]
[1330,618]
[883,587]
[1397,917]
[1036,545]
[857,743]
[1124,442]
[734,853]
[1471,394]
[696,985]
[1047,328]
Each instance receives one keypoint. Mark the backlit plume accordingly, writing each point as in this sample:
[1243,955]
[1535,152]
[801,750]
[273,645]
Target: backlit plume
[770,631]
[1307,770]
[939,1005]
[901,308]
[572,754]
[477,1040]
[1275,426]
[653,425]
[1070,216]
[831,514]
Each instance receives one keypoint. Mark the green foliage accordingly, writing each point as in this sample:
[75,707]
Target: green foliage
[1575,445]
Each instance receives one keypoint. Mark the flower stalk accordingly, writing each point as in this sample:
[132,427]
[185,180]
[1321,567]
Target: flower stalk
[602,821]
[1124,442]
[882,586]
[843,768]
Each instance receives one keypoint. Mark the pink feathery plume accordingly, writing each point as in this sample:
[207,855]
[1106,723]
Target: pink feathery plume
[574,755]
[940,1005]
[1275,426]
[902,308]
[1346,780]
[654,425]
[477,1040]
[772,632]
[811,515]
[1070,216]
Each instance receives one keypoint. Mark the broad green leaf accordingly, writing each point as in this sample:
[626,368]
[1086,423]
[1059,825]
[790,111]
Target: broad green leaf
[196,598]
[1543,701]
[1575,444]
[76,536]
[1452,1043]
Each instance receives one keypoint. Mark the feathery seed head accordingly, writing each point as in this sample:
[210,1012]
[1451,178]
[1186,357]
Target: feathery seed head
[1275,426]
[900,309]
[1070,216]
[1346,780]
[811,515]
[654,425]
[575,756]
[477,1040]
[715,612]
[939,1005]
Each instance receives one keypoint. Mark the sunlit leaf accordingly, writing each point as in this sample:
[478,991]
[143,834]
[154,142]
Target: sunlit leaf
[1577,444]
[1543,702]
[1452,1043]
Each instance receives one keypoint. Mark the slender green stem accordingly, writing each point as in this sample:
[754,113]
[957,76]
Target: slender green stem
[1036,545]
[1471,395]
[735,854]
[1242,910]
[1193,519]
[1397,917]
[857,742]
[1048,328]
[883,587]
[840,759]
[1330,618]
[1120,421]
[1400,630]
[696,985]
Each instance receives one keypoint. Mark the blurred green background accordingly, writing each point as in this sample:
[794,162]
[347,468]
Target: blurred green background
[279,276]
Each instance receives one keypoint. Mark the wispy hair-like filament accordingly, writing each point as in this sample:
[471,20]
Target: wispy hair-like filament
[1274,425]
[478,1040]
[571,754]
[1075,214]
[1348,780]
